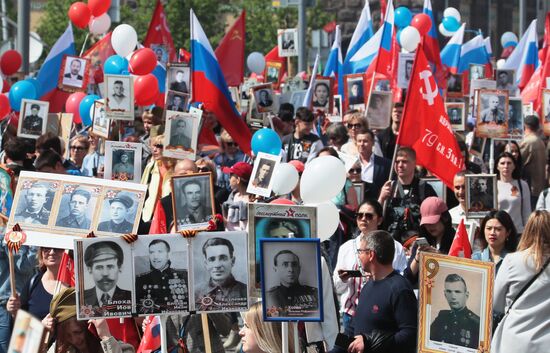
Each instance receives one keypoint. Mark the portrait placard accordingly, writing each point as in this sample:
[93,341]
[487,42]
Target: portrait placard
[74,75]
[101,124]
[161,264]
[123,161]
[515,119]
[438,186]
[264,98]
[353,92]
[288,42]
[322,95]
[220,272]
[457,115]
[337,110]
[262,181]
[120,211]
[297,98]
[476,72]
[119,97]
[481,194]
[176,101]
[527,109]
[273,72]
[291,279]
[404,69]
[192,201]
[104,276]
[33,119]
[455,301]
[178,77]
[181,135]
[506,81]
[492,114]
[27,334]
[546,111]
[77,208]
[359,191]
[275,221]
[162,53]
[454,86]
[7,184]
[480,84]
[379,110]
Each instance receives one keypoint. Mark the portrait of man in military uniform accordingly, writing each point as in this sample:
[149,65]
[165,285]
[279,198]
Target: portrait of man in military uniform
[34,209]
[459,325]
[116,219]
[264,173]
[80,206]
[193,201]
[180,133]
[123,169]
[481,194]
[163,288]
[33,124]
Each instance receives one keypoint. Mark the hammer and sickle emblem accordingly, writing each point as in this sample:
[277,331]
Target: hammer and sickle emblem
[430,93]
[236,35]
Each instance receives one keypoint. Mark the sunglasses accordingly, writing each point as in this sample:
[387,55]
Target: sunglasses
[352,126]
[77,148]
[203,169]
[231,144]
[366,215]
[158,145]
[355,171]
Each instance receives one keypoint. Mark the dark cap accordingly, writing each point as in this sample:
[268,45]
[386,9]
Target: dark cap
[123,199]
[532,121]
[241,169]
[35,106]
[102,251]
[82,192]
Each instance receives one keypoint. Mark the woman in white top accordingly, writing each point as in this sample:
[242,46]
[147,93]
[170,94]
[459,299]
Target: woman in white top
[514,196]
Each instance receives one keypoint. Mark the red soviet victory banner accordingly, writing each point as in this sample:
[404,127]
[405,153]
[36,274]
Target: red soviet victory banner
[230,52]
[159,33]
[425,125]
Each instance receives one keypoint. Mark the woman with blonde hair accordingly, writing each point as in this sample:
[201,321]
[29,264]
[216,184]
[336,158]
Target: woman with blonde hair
[258,336]
[521,291]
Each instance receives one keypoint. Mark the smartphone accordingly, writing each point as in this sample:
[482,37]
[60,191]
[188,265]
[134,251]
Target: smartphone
[352,273]
[421,242]
[343,341]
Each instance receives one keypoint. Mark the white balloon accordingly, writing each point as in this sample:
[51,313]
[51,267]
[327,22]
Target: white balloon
[124,39]
[323,178]
[444,31]
[508,37]
[100,25]
[500,63]
[410,38]
[452,12]
[328,218]
[285,178]
[256,62]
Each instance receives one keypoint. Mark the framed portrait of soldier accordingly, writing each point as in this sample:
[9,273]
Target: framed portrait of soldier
[123,161]
[404,69]
[476,72]
[181,135]
[288,42]
[506,81]
[546,111]
[77,207]
[120,211]
[353,92]
[515,119]
[492,113]
[192,201]
[481,194]
[322,97]
[527,109]
[457,115]
[337,109]
[161,274]
[291,279]
[7,184]
[379,110]
[220,272]
[454,85]
[119,97]
[161,52]
[27,334]
[261,181]
[178,78]
[264,98]
[75,74]
[476,85]
[455,301]
[176,101]
[101,124]
[297,98]
[273,73]
[32,204]
[33,118]
[104,278]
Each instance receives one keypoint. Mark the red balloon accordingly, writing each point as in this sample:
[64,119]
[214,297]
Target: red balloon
[80,14]
[4,106]
[99,7]
[6,87]
[10,62]
[146,90]
[422,23]
[282,201]
[72,105]
[160,100]
[142,62]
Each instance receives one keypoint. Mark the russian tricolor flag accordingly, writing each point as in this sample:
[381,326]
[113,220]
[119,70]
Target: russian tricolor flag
[450,55]
[209,86]
[334,62]
[431,45]
[363,32]
[524,59]
[473,52]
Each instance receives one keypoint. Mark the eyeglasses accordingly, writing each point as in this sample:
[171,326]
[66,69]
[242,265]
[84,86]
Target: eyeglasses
[77,148]
[232,144]
[354,126]
[159,146]
[203,169]
[363,250]
[355,171]
[366,215]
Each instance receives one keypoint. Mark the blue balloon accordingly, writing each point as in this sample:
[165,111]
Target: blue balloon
[115,65]
[402,17]
[19,91]
[511,44]
[160,74]
[36,85]
[267,141]
[398,35]
[84,108]
[451,24]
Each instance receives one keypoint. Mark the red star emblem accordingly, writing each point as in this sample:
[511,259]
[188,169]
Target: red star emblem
[290,212]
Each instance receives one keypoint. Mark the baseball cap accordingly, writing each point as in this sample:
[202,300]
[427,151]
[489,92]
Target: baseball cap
[431,210]
[241,169]
[298,165]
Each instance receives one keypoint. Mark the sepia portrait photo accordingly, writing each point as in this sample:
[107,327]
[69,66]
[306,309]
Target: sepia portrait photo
[123,161]
[193,201]
[161,52]
[273,73]
[506,81]
[264,98]
[178,78]
[481,194]
[353,92]
[492,113]
[181,135]
[261,181]
[322,98]
[76,209]
[287,40]
[119,97]
[33,118]
[75,74]
[379,110]
[457,115]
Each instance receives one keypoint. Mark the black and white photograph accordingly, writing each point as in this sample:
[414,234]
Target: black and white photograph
[337,110]
[404,70]
[176,101]
[161,52]
[457,115]
[220,271]
[287,40]
[181,135]
[75,74]
[438,186]
[161,264]
[120,212]
[456,304]
[32,205]
[77,207]
[546,111]
[481,194]
[322,94]
[119,97]
[506,81]
[264,98]
[353,92]
[515,119]
[476,72]
[297,98]
[273,73]
[261,181]
[101,124]
[291,279]
[454,85]
[492,113]
[104,277]
[178,78]
[123,161]
[193,201]
[382,85]
[33,118]
[379,110]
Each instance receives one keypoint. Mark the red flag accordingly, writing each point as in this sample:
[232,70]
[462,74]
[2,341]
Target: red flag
[159,33]
[230,52]
[158,223]
[151,337]
[125,331]
[461,243]
[425,125]
[65,275]
[98,54]
[184,56]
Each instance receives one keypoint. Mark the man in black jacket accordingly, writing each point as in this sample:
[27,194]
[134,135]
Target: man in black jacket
[375,170]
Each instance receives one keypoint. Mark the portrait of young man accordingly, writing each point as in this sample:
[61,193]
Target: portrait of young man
[179,79]
[116,220]
[123,169]
[263,174]
[179,136]
[34,210]
[193,203]
[33,123]
[79,206]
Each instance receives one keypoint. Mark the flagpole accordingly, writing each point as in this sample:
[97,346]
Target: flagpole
[163,340]
[84,44]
